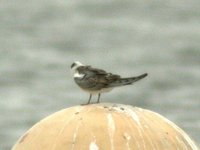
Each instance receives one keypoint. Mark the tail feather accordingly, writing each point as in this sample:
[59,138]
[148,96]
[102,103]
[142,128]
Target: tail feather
[127,81]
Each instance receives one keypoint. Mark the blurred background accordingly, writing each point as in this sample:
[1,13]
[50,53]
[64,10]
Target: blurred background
[39,40]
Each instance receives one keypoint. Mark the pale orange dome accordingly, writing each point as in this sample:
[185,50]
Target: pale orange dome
[105,127]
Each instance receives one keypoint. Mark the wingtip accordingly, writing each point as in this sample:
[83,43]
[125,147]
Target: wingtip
[145,74]
[142,76]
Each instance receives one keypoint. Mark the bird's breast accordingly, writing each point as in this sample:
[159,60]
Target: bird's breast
[78,75]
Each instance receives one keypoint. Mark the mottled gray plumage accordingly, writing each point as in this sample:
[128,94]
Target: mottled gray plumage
[95,80]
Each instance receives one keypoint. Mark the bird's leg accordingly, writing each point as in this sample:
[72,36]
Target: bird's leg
[98,98]
[88,100]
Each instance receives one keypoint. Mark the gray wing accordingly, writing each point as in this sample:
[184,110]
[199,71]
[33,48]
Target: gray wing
[95,79]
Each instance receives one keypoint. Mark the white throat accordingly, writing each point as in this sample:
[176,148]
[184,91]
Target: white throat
[74,70]
[78,75]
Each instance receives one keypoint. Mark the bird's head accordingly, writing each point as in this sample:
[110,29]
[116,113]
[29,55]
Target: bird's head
[75,65]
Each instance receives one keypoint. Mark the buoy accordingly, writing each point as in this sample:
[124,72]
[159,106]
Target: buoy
[105,127]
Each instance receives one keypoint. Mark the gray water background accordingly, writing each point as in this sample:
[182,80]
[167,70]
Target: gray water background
[40,39]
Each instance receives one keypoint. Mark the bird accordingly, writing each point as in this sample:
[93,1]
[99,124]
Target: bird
[97,81]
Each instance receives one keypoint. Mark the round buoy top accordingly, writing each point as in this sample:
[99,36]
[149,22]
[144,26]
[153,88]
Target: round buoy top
[105,126]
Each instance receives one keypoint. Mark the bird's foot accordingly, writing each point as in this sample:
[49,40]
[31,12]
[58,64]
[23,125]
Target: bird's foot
[85,104]
[89,103]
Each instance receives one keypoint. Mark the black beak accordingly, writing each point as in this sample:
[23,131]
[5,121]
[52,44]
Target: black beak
[73,65]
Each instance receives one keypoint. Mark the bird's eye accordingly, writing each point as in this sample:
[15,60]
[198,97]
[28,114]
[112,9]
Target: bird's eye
[73,65]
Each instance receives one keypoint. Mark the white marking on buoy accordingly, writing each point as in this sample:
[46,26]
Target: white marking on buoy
[130,113]
[128,137]
[93,146]
[75,135]
[111,127]
[135,117]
